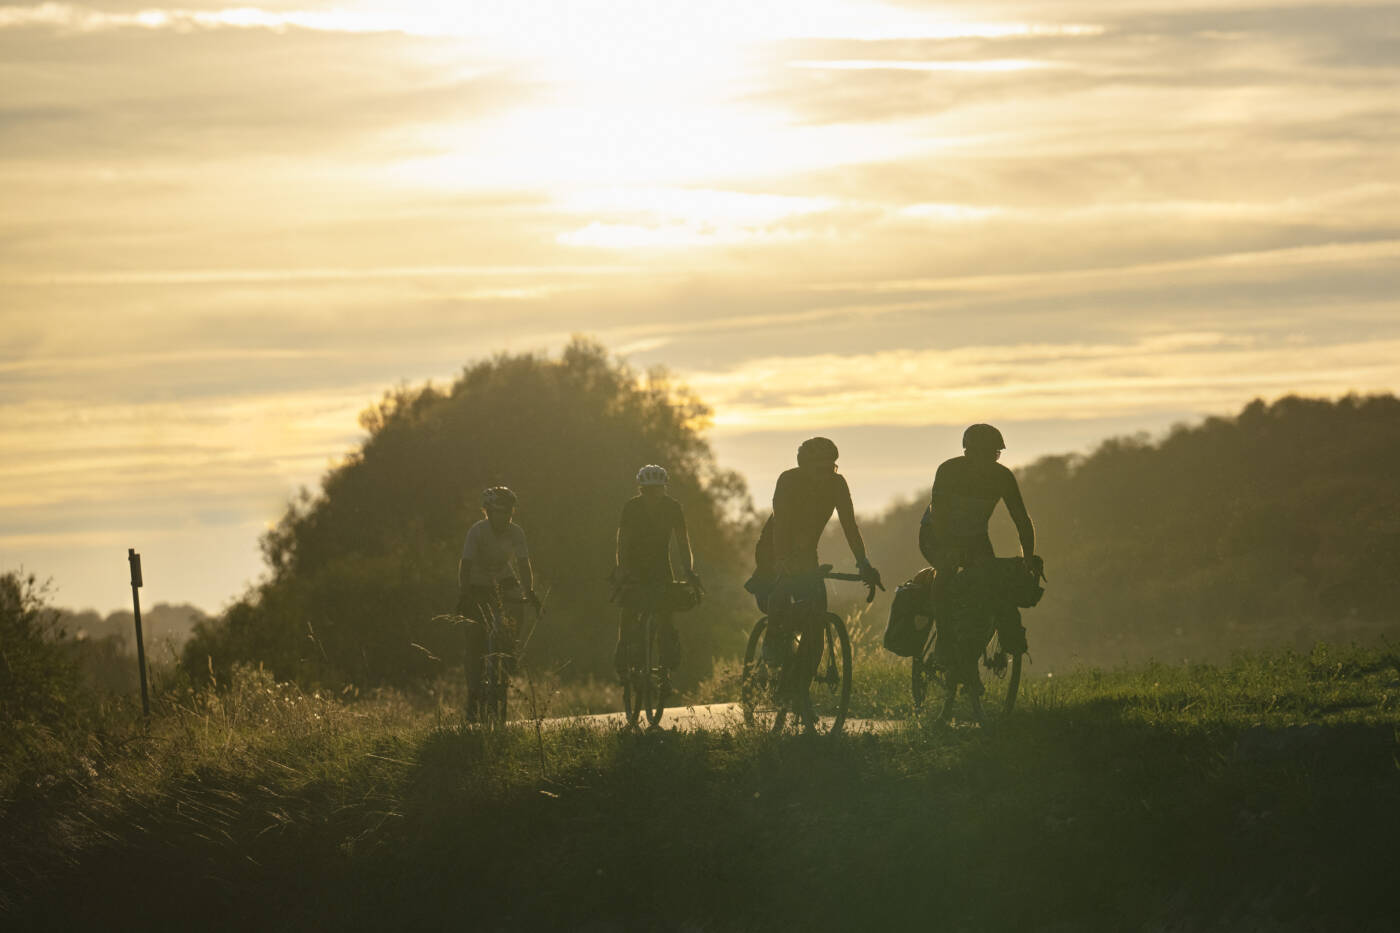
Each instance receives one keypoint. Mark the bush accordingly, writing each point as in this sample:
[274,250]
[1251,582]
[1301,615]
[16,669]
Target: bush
[39,681]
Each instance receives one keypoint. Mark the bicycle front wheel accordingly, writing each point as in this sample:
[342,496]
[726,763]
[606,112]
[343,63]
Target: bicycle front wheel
[828,693]
[758,683]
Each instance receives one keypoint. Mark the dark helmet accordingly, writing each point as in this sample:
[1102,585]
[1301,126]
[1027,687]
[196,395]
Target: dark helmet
[497,497]
[983,437]
[816,450]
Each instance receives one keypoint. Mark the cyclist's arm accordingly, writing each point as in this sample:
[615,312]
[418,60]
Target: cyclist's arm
[683,541]
[464,564]
[782,526]
[623,549]
[523,570]
[938,508]
[1017,507]
[846,512]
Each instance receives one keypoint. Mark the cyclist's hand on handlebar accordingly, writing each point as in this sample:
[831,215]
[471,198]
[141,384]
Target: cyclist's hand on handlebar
[693,579]
[870,576]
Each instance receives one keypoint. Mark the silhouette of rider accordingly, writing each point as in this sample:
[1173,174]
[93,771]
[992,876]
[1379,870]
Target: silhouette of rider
[953,533]
[649,521]
[485,579]
[803,501]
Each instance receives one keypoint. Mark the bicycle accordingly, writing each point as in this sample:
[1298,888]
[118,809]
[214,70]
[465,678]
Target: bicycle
[646,681]
[489,702]
[767,696]
[983,625]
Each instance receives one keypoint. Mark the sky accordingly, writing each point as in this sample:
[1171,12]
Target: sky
[224,231]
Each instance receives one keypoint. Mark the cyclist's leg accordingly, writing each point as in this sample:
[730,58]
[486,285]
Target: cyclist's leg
[670,640]
[628,635]
[508,612]
[478,600]
[810,591]
[777,640]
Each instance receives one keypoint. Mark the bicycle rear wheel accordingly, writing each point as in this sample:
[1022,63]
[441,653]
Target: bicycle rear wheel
[657,677]
[639,685]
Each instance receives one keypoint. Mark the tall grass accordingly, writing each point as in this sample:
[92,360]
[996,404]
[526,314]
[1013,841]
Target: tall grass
[1167,797]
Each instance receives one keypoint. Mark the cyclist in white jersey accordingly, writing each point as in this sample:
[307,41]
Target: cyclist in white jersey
[494,570]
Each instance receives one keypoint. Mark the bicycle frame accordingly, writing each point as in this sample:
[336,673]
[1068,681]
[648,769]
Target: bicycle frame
[794,680]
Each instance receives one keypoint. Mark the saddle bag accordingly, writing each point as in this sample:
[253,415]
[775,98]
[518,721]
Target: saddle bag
[911,617]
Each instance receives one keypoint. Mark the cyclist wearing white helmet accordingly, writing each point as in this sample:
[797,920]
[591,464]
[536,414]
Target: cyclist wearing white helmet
[486,580]
[649,521]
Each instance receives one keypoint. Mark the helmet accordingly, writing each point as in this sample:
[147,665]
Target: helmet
[816,450]
[983,437]
[652,475]
[497,497]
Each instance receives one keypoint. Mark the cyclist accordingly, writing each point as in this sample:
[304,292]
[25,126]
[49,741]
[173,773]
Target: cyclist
[485,581]
[953,532]
[803,501]
[953,536]
[649,521]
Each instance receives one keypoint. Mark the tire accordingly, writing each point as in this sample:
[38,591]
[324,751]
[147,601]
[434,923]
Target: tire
[496,676]
[631,701]
[1002,687]
[1013,684]
[643,688]
[828,694]
[923,676]
[657,681]
[756,682]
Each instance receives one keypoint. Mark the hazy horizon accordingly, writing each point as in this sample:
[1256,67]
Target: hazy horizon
[227,230]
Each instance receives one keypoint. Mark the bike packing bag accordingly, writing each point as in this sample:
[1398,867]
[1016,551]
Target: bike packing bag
[1022,584]
[910,618]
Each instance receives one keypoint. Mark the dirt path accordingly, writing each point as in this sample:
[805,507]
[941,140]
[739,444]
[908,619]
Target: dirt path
[715,716]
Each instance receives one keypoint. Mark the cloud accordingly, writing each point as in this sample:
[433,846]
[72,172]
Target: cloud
[1200,372]
[216,96]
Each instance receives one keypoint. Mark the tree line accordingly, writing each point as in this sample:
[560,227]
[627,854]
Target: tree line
[1273,528]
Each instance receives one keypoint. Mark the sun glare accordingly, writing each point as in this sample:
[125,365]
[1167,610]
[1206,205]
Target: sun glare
[641,116]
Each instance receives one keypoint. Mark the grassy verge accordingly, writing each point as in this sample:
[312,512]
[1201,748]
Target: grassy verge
[1261,795]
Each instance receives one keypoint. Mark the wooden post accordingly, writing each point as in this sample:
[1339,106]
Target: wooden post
[135,560]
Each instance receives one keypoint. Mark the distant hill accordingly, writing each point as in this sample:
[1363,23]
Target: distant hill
[1277,527]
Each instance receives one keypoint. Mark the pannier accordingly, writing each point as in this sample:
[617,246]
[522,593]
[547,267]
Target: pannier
[911,616]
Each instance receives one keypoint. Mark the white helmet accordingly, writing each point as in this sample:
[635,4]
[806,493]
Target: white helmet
[652,475]
[497,497]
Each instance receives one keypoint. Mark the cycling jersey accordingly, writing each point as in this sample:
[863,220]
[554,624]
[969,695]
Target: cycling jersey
[803,502]
[644,545]
[965,492]
[490,554]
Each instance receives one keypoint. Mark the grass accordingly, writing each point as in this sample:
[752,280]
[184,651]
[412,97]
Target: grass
[1264,794]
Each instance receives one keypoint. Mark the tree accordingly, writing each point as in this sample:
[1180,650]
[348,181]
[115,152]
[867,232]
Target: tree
[357,571]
